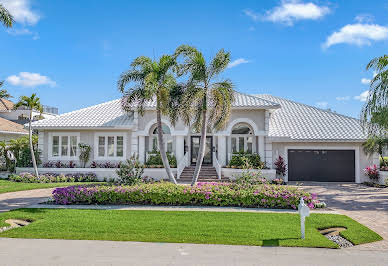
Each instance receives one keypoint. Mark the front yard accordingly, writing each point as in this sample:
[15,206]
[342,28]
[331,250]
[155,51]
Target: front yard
[233,228]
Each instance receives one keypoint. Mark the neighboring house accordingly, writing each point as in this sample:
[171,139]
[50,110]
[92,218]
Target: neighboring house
[317,145]
[10,130]
[21,115]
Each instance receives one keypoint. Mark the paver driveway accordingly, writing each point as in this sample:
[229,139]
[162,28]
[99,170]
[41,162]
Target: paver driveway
[20,199]
[366,205]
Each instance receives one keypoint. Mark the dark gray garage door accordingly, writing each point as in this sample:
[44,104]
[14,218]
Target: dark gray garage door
[321,165]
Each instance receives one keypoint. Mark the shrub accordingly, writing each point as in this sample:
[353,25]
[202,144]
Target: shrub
[53,178]
[250,178]
[280,166]
[203,194]
[277,181]
[105,165]
[155,159]
[21,150]
[246,161]
[131,171]
[84,154]
[372,172]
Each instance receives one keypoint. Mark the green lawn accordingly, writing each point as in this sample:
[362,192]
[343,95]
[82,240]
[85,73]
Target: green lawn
[10,186]
[235,228]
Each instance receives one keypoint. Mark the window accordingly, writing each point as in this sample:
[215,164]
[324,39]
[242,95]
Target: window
[110,146]
[63,145]
[168,140]
[242,139]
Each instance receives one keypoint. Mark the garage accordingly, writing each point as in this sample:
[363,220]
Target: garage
[321,165]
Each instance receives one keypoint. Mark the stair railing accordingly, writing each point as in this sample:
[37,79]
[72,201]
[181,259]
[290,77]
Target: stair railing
[217,165]
[182,164]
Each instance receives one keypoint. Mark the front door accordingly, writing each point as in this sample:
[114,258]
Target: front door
[208,158]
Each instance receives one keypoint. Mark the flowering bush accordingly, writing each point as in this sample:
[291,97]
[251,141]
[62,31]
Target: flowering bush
[204,194]
[59,164]
[281,166]
[249,178]
[277,181]
[53,178]
[372,172]
[105,165]
[131,171]
[383,168]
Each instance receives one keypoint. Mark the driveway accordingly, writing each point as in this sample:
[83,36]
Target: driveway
[21,199]
[366,205]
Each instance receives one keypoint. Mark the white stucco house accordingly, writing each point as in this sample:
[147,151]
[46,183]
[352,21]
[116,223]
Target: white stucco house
[317,145]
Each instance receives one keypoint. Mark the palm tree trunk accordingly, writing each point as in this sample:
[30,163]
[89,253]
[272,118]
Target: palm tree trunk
[32,146]
[202,146]
[162,151]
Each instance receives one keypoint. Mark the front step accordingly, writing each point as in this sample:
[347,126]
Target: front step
[207,174]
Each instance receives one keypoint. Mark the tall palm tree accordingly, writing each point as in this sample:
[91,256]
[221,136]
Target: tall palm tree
[5,17]
[207,103]
[31,103]
[149,80]
[375,109]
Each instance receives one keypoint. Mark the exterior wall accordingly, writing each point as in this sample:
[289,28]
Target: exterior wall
[86,136]
[231,173]
[361,162]
[256,115]
[9,136]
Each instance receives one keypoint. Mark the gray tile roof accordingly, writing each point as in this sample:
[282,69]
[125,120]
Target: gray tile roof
[108,114]
[303,122]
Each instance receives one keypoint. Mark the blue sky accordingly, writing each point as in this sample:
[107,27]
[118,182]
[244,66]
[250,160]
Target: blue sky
[315,52]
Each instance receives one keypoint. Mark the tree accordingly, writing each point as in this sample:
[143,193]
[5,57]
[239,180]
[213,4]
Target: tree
[374,112]
[206,103]
[31,103]
[375,144]
[5,17]
[4,93]
[149,80]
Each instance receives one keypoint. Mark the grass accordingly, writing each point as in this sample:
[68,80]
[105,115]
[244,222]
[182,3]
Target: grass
[234,228]
[10,186]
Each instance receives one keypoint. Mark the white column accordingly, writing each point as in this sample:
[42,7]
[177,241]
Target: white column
[179,148]
[142,149]
[41,142]
[261,148]
[268,153]
[222,150]
[376,159]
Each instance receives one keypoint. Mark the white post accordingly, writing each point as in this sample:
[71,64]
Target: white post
[142,149]
[222,150]
[179,148]
[261,148]
[304,212]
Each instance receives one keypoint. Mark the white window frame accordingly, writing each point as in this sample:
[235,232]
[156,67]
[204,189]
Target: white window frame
[245,136]
[106,135]
[166,137]
[60,135]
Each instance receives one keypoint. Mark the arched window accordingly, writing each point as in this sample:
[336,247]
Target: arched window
[154,146]
[242,138]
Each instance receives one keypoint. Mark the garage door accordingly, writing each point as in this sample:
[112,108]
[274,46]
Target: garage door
[321,165]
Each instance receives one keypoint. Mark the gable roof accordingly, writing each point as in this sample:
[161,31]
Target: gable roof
[108,114]
[7,126]
[5,105]
[303,122]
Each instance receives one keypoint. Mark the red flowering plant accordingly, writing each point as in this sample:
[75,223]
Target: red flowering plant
[281,167]
[372,172]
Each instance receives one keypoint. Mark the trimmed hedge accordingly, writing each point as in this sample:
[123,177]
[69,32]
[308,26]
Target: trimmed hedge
[205,194]
[53,178]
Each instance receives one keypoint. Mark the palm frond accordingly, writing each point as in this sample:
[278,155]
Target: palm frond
[5,17]
[219,63]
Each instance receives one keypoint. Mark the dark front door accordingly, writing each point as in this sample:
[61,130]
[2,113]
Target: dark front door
[321,165]
[208,158]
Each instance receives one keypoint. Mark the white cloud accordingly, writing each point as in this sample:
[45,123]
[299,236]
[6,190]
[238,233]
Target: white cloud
[250,13]
[23,31]
[21,11]
[27,79]
[363,96]
[292,10]
[322,105]
[364,18]
[237,62]
[358,34]
[342,98]
[365,81]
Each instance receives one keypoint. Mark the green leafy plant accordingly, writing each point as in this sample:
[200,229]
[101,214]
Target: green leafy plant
[22,152]
[131,171]
[244,160]
[155,160]
[84,153]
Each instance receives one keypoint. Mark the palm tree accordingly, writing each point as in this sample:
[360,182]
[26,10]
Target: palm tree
[5,17]
[4,93]
[207,104]
[31,103]
[375,145]
[374,112]
[150,79]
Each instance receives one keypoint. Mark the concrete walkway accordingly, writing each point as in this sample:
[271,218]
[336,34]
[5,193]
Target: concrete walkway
[85,252]
[367,205]
[22,199]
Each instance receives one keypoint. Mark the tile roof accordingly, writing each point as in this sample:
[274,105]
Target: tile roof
[11,127]
[5,105]
[108,114]
[303,122]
